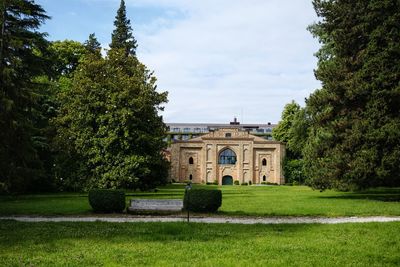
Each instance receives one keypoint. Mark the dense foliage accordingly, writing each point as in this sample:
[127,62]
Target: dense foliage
[122,37]
[202,200]
[290,131]
[22,50]
[109,120]
[70,118]
[354,134]
[103,200]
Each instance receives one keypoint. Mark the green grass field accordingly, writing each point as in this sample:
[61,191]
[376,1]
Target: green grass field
[237,200]
[182,244]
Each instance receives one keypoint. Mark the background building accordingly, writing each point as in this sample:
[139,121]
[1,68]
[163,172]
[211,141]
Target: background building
[226,154]
[186,131]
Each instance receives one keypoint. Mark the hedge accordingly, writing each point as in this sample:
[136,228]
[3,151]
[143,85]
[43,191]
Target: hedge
[104,200]
[202,200]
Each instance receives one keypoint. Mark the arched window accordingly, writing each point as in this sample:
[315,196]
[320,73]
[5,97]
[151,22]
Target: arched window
[190,160]
[264,162]
[264,178]
[227,156]
[190,177]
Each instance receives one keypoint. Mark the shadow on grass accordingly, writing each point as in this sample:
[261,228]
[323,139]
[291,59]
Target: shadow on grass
[378,194]
[19,233]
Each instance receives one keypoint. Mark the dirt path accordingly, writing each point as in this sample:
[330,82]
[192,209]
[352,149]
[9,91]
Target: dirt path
[234,220]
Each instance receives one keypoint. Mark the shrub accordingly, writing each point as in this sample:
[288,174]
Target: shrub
[236,182]
[245,183]
[202,200]
[104,200]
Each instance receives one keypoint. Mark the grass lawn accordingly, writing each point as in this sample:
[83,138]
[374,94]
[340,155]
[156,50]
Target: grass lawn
[237,200]
[182,244]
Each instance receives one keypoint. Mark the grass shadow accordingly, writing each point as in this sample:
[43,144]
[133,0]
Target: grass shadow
[376,194]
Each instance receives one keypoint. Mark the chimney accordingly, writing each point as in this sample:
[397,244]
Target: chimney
[234,122]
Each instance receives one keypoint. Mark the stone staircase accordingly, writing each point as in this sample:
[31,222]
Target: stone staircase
[155,205]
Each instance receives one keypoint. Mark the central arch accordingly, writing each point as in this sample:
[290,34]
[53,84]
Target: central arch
[227,180]
[227,157]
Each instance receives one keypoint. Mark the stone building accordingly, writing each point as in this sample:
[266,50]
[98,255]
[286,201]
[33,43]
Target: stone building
[225,155]
[186,131]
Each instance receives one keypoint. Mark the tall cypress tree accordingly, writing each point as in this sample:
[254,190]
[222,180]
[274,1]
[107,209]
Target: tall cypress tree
[354,138]
[121,37]
[20,61]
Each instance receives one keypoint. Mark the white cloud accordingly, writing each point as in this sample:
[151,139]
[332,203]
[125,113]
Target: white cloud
[224,56]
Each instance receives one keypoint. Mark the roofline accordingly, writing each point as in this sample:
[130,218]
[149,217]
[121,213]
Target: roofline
[220,124]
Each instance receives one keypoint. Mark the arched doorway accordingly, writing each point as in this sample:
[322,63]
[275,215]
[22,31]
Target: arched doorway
[227,180]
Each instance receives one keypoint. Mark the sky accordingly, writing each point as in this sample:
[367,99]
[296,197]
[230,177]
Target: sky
[218,59]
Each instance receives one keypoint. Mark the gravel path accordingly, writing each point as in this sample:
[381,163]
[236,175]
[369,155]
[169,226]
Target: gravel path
[233,220]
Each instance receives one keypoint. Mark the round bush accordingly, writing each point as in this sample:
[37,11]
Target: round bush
[202,200]
[104,200]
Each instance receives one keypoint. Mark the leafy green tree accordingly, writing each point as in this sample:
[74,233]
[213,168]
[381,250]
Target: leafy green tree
[298,133]
[122,37]
[354,133]
[110,120]
[282,131]
[291,130]
[65,56]
[22,50]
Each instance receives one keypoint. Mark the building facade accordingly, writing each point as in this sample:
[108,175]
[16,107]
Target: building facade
[227,154]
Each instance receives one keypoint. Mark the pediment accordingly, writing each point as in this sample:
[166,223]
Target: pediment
[230,133]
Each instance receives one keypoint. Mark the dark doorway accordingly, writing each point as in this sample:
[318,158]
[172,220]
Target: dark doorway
[227,180]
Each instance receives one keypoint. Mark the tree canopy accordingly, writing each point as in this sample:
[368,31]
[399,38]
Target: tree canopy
[70,118]
[354,134]
[282,132]
[292,132]
[22,58]
[108,125]
[122,37]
